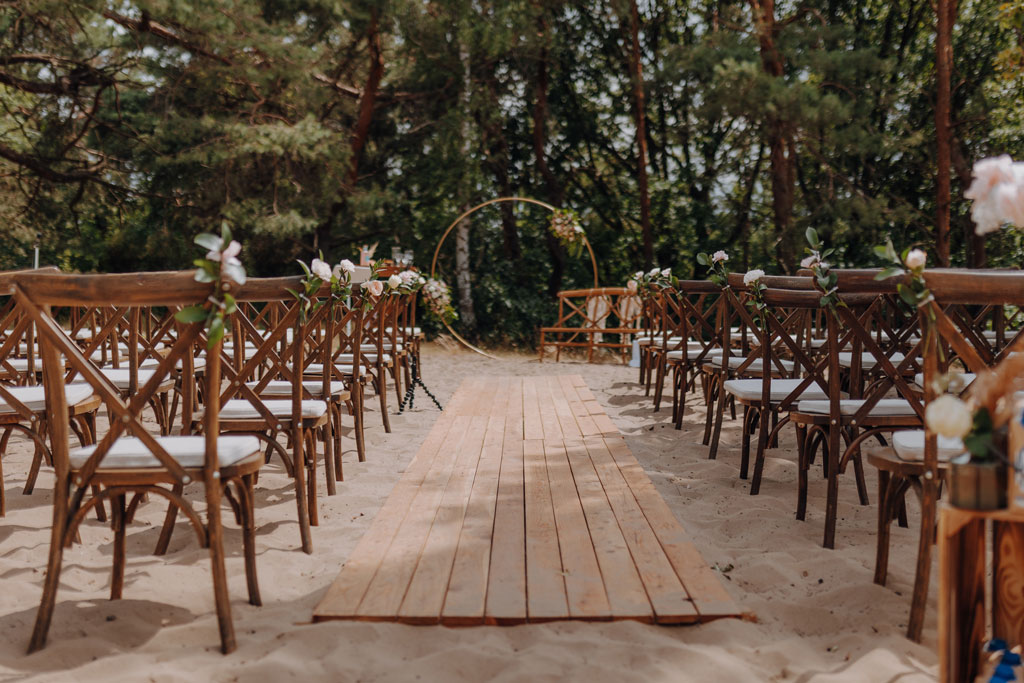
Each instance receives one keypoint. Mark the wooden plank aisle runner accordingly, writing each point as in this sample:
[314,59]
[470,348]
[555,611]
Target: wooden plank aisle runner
[524,504]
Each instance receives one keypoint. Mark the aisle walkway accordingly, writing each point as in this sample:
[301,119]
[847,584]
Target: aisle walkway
[524,504]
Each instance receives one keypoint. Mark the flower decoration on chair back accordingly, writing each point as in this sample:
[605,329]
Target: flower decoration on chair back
[221,265]
[717,272]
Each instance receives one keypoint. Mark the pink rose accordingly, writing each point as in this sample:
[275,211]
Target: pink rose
[374,287]
[987,174]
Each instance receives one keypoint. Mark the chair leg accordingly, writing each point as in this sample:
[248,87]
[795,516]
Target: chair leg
[339,473]
[924,560]
[300,490]
[359,421]
[884,523]
[720,399]
[858,473]
[169,519]
[51,580]
[247,495]
[118,521]
[832,497]
[803,465]
[659,382]
[382,395]
[215,533]
[748,415]
[310,449]
[762,447]
[327,434]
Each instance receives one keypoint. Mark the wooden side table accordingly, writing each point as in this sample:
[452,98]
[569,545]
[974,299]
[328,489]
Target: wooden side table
[962,549]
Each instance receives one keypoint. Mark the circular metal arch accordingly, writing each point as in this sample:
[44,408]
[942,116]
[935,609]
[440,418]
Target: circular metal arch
[467,213]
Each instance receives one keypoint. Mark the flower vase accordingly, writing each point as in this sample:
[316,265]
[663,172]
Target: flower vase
[977,485]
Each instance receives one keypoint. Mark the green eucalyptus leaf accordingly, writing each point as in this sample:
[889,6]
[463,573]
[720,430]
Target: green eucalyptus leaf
[703,259]
[191,314]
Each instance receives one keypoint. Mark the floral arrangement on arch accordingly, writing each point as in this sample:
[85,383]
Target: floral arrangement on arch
[220,265]
[717,270]
[438,299]
[565,226]
[645,284]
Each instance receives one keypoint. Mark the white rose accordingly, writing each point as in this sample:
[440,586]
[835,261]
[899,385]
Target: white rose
[985,216]
[719,256]
[988,173]
[638,275]
[320,269]
[347,266]
[374,287]
[654,273]
[948,416]
[916,259]
[394,282]
[631,286]
[1009,203]
[753,276]
[666,272]
[229,255]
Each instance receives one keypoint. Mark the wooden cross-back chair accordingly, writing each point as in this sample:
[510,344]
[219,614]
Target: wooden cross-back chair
[672,340]
[917,459]
[698,302]
[128,461]
[741,358]
[586,316]
[838,425]
[767,399]
[22,400]
[242,410]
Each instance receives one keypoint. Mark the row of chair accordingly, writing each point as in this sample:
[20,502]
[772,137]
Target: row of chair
[156,404]
[852,379]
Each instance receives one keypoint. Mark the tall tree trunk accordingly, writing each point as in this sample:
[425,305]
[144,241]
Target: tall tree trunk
[554,190]
[639,115]
[361,131]
[974,243]
[946,11]
[780,139]
[462,266]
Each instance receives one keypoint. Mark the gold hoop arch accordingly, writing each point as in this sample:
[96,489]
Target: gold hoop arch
[467,213]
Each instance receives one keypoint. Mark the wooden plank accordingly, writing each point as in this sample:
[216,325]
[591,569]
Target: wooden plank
[532,427]
[584,587]
[426,593]
[667,594]
[545,586]
[387,589]
[703,586]
[566,420]
[467,589]
[546,405]
[626,595]
[345,594]
[586,423]
[506,582]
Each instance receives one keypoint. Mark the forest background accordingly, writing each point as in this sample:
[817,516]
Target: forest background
[671,127]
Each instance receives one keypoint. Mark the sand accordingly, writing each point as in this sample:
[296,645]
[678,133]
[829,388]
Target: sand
[819,616]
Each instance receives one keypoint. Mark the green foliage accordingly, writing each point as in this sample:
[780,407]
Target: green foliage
[119,144]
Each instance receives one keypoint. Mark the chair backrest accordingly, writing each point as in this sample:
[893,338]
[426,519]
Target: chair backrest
[38,294]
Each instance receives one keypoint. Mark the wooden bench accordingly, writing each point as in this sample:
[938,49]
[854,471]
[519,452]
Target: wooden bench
[524,504]
[586,316]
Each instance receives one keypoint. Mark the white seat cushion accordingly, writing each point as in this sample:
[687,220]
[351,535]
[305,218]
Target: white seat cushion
[241,409]
[370,348]
[909,445]
[755,366]
[967,378]
[850,406]
[284,388]
[197,363]
[189,451]
[750,389]
[21,364]
[34,398]
[120,376]
[409,331]
[867,360]
[693,353]
[368,356]
[343,368]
